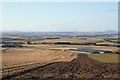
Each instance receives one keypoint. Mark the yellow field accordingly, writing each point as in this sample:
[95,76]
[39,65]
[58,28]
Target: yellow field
[68,40]
[47,46]
[19,56]
[10,36]
[108,43]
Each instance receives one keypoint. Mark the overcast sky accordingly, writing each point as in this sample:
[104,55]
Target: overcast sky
[59,16]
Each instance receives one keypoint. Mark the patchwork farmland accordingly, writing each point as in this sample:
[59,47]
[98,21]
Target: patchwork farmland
[48,57]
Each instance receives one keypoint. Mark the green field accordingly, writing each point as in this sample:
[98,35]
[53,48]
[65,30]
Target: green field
[107,58]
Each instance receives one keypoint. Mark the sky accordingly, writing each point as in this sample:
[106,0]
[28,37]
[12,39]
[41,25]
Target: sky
[59,16]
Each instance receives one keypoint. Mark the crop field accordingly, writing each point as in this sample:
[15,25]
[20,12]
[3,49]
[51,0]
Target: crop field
[75,40]
[15,57]
[107,43]
[107,58]
[47,46]
[24,56]
[10,36]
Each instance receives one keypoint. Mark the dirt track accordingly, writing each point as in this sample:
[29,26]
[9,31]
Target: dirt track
[81,67]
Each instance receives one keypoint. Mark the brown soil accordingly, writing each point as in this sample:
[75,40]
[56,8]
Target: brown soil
[81,67]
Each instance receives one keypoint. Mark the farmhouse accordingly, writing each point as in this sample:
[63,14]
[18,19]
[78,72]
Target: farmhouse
[83,50]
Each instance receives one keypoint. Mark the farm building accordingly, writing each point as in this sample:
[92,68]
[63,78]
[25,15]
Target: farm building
[83,50]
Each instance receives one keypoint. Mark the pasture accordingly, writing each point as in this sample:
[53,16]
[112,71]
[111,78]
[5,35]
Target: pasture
[106,58]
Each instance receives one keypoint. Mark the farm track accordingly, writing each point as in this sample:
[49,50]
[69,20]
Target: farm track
[80,67]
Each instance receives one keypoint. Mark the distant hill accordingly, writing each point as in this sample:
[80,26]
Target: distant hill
[111,31]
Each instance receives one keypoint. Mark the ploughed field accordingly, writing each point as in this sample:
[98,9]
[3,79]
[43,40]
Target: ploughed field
[80,67]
